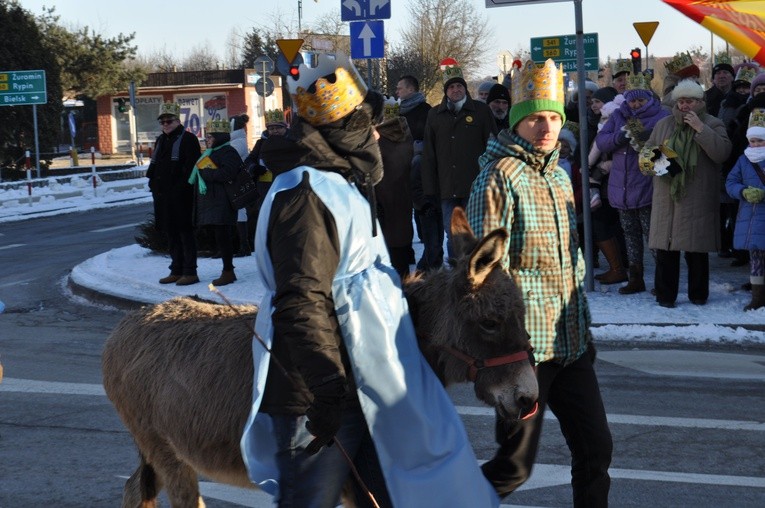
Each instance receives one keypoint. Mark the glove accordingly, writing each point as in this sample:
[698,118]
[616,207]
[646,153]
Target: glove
[621,139]
[753,194]
[325,415]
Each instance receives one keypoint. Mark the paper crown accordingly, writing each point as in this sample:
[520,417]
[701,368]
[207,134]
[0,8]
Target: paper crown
[275,116]
[679,62]
[169,108]
[723,58]
[573,127]
[745,73]
[452,71]
[329,91]
[638,81]
[391,108]
[533,83]
[757,118]
[622,65]
[216,126]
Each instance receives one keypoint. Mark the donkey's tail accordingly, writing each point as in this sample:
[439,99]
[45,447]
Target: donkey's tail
[142,488]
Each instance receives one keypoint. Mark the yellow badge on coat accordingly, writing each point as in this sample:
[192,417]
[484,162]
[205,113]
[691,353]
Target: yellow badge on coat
[469,119]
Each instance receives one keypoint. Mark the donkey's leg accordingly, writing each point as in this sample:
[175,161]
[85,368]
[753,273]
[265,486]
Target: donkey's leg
[142,487]
[180,479]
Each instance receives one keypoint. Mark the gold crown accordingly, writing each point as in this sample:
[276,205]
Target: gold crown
[746,73]
[622,65]
[534,83]
[274,116]
[757,118]
[452,71]
[169,108]
[214,126]
[638,81]
[723,58]
[328,92]
[678,63]
[391,108]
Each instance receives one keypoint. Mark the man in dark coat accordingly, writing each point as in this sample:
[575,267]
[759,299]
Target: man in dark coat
[427,209]
[175,153]
[455,136]
[722,81]
[499,103]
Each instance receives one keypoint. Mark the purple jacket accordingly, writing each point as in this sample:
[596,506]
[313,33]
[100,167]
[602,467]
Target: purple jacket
[628,188]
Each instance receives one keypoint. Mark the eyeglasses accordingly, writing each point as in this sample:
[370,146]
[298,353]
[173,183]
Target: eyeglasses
[167,122]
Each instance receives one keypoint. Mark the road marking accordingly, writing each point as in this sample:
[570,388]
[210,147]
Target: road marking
[12,246]
[114,228]
[14,385]
[655,421]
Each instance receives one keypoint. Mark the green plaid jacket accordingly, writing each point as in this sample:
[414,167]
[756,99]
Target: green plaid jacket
[526,192]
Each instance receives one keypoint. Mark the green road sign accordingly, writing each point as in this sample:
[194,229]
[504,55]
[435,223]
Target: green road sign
[562,49]
[19,88]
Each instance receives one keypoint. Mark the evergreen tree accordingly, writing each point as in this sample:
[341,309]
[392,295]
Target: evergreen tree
[22,47]
[258,44]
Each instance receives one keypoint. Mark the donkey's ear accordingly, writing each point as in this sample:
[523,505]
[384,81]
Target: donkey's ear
[487,255]
[463,239]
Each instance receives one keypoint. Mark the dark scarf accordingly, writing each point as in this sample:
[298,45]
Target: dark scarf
[410,103]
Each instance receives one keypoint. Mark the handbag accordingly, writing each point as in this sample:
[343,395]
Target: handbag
[242,191]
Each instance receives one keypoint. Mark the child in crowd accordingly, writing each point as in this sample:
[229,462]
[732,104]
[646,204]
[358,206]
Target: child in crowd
[746,182]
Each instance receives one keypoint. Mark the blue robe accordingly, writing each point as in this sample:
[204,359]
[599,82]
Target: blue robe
[424,451]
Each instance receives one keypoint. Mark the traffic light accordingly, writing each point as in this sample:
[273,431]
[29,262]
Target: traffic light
[637,63]
[294,72]
[121,105]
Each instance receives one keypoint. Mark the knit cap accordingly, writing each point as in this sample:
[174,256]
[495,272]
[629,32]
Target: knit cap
[498,92]
[605,94]
[758,80]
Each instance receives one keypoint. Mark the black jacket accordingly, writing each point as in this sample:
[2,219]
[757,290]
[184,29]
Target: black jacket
[168,180]
[213,207]
[417,118]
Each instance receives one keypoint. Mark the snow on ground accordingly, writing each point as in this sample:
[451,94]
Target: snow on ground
[131,272]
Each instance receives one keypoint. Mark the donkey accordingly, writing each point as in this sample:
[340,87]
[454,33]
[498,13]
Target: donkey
[180,373]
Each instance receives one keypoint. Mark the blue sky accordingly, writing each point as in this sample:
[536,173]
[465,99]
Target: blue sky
[178,27]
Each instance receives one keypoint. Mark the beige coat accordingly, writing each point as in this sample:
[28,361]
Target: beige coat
[692,223]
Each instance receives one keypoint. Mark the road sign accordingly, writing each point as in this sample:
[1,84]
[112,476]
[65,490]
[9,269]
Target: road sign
[645,30]
[504,61]
[18,88]
[357,10]
[562,49]
[264,87]
[264,65]
[290,48]
[367,39]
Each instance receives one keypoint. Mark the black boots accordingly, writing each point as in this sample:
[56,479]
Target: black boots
[636,283]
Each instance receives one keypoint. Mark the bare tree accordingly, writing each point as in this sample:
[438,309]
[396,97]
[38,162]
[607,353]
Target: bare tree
[201,58]
[438,29]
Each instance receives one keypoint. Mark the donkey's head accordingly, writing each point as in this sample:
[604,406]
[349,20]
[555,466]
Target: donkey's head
[470,322]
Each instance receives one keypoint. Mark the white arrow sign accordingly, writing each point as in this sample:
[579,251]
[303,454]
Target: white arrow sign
[377,5]
[367,35]
[353,5]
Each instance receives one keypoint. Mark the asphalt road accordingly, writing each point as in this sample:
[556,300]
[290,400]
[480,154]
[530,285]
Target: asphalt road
[688,423]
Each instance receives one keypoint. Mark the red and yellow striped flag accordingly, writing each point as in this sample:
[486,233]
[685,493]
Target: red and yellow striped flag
[740,22]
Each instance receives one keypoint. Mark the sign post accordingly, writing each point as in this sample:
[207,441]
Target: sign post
[20,88]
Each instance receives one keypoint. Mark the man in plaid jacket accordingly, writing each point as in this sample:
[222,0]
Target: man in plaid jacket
[522,188]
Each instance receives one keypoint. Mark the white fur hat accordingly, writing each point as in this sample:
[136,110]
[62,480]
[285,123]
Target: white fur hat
[689,89]
[608,108]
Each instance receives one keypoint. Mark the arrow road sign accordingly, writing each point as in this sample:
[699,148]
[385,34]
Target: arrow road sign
[19,88]
[357,10]
[367,39]
[562,49]
[264,65]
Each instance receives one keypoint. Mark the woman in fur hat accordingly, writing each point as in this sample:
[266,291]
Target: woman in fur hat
[685,215]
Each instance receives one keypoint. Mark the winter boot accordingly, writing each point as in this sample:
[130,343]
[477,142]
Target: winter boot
[244,244]
[226,277]
[187,280]
[636,283]
[169,279]
[616,272]
[758,297]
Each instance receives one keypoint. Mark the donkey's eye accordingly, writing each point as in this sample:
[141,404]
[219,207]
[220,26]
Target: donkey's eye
[489,326]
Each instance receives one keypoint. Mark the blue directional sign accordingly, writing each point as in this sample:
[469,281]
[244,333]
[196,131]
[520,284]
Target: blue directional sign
[357,10]
[367,39]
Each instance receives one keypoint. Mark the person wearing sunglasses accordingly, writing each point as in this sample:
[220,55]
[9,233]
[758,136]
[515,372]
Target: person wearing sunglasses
[175,153]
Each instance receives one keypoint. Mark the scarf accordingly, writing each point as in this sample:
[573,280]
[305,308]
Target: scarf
[410,103]
[195,176]
[509,144]
[455,107]
[682,142]
[755,154]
